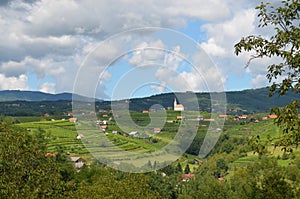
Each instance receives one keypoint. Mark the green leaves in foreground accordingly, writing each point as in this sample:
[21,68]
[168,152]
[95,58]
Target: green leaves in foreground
[285,74]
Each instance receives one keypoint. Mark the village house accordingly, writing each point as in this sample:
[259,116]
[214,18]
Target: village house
[50,154]
[134,134]
[272,116]
[78,162]
[178,107]
[157,130]
[243,116]
[103,127]
[187,177]
[209,119]
[197,161]
[179,117]
[223,116]
[79,136]
[73,119]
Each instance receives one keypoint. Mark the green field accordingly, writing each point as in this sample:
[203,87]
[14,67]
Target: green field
[61,136]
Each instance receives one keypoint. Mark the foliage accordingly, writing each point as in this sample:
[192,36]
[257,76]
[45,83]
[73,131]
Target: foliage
[285,75]
[25,171]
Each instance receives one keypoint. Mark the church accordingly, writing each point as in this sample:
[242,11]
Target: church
[178,107]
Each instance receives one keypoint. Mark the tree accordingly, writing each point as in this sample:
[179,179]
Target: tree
[25,171]
[285,75]
[187,169]
[178,168]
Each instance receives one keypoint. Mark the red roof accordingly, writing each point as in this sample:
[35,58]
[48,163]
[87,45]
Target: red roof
[273,116]
[50,155]
[188,176]
[223,116]
[73,119]
[103,127]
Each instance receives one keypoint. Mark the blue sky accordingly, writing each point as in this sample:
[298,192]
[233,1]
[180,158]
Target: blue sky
[73,45]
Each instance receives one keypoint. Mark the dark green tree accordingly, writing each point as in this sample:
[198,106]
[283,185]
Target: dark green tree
[227,147]
[187,169]
[178,168]
[285,74]
[221,164]
[149,164]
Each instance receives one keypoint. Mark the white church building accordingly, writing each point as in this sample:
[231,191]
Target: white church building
[178,107]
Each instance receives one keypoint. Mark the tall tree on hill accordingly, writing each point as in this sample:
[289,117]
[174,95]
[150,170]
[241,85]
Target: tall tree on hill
[285,75]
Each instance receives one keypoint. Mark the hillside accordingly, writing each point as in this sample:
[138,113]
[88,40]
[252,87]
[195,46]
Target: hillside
[38,103]
[17,95]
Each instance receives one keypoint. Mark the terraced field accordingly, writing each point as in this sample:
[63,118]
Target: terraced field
[62,137]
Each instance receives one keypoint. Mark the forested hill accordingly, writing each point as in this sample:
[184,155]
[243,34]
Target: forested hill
[253,100]
[17,95]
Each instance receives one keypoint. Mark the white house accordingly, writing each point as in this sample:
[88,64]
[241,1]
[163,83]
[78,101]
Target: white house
[157,130]
[77,162]
[178,107]
[134,134]
[80,136]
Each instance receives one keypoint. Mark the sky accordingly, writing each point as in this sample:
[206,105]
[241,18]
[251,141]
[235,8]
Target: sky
[124,48]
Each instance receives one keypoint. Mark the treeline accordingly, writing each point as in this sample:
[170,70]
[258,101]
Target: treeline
[246,101]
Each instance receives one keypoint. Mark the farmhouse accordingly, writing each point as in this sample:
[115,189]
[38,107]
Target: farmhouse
[223,116]
[78,162]
[134,134]
[209,119]
[273,116]
[80,136]
[50,154]
[243,116]
[103,127]
[157,130]
[179,117]
[73,119]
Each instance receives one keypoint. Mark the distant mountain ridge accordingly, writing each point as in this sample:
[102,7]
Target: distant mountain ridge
[36,96]
[251,100]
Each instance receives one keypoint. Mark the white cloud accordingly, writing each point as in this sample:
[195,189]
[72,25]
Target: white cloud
[212,48]
[13,68]
[225,34]
[48,87]
[147,52]
[51,39]
[258,81]
[13,83]
[158,88]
